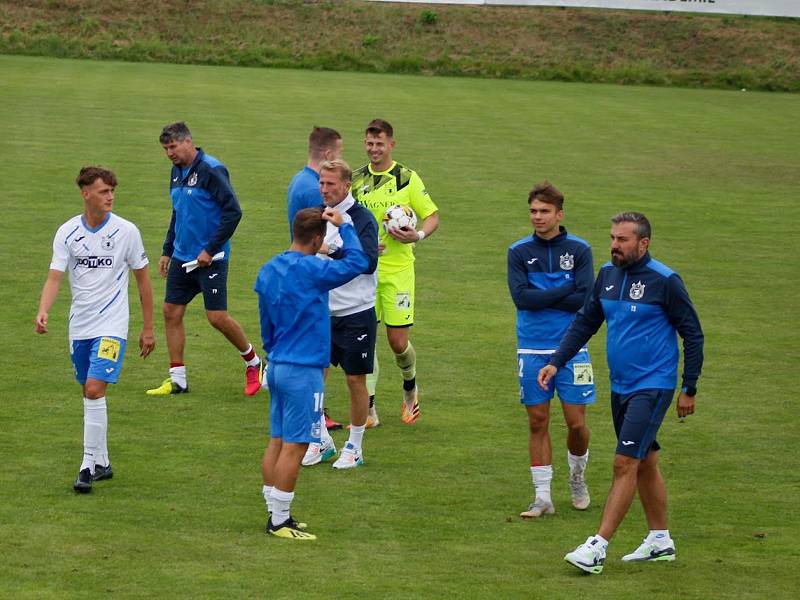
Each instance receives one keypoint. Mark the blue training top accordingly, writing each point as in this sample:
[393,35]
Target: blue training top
[644,305]
[303,193]
[292,293]
[548,281]
[205,210]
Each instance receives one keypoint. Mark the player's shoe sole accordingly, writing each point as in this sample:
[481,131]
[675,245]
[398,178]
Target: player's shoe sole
[83,484]
[166,388]
[289,530]
[101,473]
[253,377]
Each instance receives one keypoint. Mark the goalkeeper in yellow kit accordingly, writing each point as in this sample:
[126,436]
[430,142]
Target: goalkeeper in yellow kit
[378,185]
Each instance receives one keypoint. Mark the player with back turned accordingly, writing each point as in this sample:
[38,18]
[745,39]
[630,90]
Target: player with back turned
[379,185]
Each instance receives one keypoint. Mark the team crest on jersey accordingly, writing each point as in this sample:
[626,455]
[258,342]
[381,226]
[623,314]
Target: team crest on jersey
[107,243]
[567,261]
[637,291]
[192,179]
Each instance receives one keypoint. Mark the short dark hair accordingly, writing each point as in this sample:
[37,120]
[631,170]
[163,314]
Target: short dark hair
[321,139]
[338,166]
[175,132]
[548,193]
[642,223]
[90,174]
[379,126]
[308,223]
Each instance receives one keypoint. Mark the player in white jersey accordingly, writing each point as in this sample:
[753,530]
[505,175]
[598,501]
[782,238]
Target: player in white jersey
[98,249]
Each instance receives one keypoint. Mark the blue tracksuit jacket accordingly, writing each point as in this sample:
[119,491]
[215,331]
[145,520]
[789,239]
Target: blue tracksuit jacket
[548,281]
[292,293]
[644,305]
[205,210]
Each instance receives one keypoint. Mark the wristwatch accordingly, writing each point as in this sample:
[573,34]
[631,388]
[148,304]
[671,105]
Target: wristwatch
[332,249]
[689,390]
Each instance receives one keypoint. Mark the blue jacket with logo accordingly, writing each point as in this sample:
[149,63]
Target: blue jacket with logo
[548,281]
[205,210]
[644,305]
[292,293]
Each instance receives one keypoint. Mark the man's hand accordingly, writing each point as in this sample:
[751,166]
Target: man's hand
[546,373]
[381,249]
[685,405]
[204,259]
[147,342]
[404,235]
[333,216]
[41,322]
[163,265]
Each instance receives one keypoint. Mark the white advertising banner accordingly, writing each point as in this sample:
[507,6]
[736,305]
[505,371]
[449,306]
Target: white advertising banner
[774,8]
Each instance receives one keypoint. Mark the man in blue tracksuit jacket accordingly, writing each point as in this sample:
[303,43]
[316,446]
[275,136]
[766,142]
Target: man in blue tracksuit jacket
[205,213]
[645,304]
[549,275]
[292,293]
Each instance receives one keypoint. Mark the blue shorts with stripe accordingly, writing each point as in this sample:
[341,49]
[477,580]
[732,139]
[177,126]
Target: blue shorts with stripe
[99,358]
[296,401]
[574,382]
[637,417]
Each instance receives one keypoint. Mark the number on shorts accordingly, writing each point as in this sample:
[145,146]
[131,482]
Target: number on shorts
[520,367]
[318,399]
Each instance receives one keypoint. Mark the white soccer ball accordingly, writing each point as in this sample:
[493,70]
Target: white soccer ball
[399,216]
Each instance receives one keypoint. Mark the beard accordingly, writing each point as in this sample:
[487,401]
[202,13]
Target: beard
[623,260]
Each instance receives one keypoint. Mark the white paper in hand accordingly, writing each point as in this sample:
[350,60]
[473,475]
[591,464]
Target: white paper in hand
[192,264]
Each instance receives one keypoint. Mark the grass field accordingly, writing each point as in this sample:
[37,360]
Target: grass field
[433,512]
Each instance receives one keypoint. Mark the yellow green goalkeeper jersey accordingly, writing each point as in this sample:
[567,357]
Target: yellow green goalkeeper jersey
[379,191]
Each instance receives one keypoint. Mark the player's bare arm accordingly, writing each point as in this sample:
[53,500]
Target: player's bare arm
[408,235]
[147,339]
[49,294]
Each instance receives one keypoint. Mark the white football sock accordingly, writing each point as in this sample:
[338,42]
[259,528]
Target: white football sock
[542,476]
[324,436]
[577,464]
[281,505]
[253,362]
[266,490]
[178,375]
[357,435]
[658,536]
[95,422]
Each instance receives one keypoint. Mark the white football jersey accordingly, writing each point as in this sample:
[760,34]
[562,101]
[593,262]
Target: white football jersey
[98,261]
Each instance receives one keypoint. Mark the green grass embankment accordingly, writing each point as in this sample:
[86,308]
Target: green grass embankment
[627,47]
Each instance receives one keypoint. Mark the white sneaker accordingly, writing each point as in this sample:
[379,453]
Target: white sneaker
[589,556]
[349,458]
[538,508]
[319,452]
[580,492]
[652,550]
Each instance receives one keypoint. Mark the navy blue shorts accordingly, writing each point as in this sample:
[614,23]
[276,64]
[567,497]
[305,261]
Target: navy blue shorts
[637,417]
[353,342]
[182,287]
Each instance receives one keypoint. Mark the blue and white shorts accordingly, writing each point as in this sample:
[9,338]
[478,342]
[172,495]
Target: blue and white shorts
[574,382]
[296,401]
[99,358]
